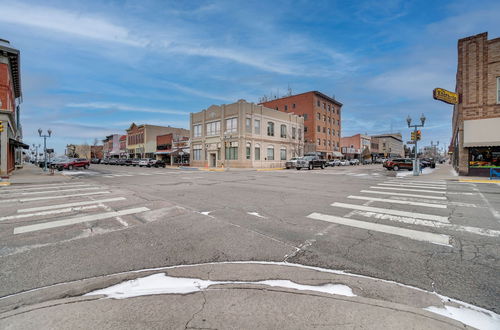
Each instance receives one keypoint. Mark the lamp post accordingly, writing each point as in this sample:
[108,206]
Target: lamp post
[36,152]
[45,136]
[415,160]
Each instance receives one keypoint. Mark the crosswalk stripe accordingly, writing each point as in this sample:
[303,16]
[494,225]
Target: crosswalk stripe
[144,174]
[75,220]
[22,186]
[401,194]
[410,189]
[417,235]
[411,186]
[65,210]
[395,201]
[58,206]
[425,216]
[54,191]
[420,181]
[52,197]
[427,223]
[40,188]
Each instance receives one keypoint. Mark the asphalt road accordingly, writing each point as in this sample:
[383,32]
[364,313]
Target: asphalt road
[435,235]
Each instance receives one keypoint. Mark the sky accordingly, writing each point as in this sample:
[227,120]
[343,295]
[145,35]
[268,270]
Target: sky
[91,68]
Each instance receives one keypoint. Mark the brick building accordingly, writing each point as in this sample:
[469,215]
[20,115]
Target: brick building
[322,120]
[244,134]
[123,146]
[141,139]
[111,146]
[476,119]
[10,98]
[356,147]
[172,148]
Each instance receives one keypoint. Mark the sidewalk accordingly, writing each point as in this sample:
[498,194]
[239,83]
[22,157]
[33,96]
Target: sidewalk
[33,174]
[237,295]
[446,172]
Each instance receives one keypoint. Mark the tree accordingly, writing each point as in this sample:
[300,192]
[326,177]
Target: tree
[365,154]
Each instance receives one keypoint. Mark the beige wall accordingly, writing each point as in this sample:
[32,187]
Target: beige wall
[242,110]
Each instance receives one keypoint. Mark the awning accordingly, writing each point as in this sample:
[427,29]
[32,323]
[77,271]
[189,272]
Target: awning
[337,154]
[18,144]
[482,132]
[166,152]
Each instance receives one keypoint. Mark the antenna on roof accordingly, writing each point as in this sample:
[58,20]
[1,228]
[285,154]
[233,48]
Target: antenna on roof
[289,90]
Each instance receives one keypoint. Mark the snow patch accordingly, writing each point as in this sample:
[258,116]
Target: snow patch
[73,172]
[426,170]
[469,315]
[453,172]
[255,214]
[205,213]
[164,284]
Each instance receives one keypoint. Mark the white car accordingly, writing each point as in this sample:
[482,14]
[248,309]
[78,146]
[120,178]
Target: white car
[344,162]
[292,163]
[145,162]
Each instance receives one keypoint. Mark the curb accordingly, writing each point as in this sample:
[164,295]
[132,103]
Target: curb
[4,183]
[480,181]
[270,169]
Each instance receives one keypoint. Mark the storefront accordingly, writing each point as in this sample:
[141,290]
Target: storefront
[481,159]
[482,142]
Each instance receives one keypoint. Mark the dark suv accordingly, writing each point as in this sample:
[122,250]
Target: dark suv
[399,163]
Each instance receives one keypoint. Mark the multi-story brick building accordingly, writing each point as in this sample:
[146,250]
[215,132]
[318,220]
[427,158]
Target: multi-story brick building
[476,118]
[244,134]
[141,139]
[172,148]
[356,147]
[322,120]
[10,98]
[111,146]
[123,146]
[388,145]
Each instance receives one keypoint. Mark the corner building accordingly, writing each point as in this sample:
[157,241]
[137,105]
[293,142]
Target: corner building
[475,140]
[322,120]
[245,134]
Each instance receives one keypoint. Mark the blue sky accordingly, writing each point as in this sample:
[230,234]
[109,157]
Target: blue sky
[90,68]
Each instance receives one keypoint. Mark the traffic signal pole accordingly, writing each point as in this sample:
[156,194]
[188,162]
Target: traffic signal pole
[416,134]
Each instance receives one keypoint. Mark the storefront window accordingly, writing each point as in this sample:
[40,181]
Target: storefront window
[484,157]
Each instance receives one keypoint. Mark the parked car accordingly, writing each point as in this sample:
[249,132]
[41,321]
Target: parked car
[113,161]
[429,162]
[399,163]
[354,161]
[146,162]
[121,161]
[95,160]
[159,163]
[379,160]
[71,163]
[134,161]
[367,161]
[128,161]
[332,163]
[310,162]
[344,162]
[292,163]
[105,161]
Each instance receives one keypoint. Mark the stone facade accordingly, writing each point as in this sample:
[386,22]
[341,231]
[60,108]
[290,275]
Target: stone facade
[244,134]
[322,120]
[389,145]
[478,86]
[354,146]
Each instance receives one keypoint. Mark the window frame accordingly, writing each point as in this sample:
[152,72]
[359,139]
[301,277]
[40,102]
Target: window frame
[272,156]
[256,127]
[281,153]
[232,128]
[283,131]
[197,130]
[270,128]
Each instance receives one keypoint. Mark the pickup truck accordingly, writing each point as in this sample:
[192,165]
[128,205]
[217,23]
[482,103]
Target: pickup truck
[310,162]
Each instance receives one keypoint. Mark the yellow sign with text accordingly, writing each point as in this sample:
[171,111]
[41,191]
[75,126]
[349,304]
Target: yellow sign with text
[445,96]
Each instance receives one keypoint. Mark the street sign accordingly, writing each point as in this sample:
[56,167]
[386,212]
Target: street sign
[442,94]
[410,142]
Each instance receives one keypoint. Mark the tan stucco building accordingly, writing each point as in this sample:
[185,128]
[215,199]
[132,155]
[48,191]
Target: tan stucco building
[244,134]
[141,139]
[389,145]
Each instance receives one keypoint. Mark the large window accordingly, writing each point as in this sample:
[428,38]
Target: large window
[248,125]
[256,126]
[305,116]
[300,133]
[213,128]
[498,89]
[257,152]
[270,128]
[319,116]
[231,153]
[294,132]
[484,157]
[231,125]
[283,154]
[270,153]
[196,130]
[283,131]
[248,151]
[197,152]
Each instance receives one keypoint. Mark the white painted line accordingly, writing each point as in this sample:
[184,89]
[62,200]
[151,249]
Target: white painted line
[409,189]
[427,223]
[419,181]
[144,174]
[425,216]
[22,200]
[54,191]
[22,186]
[65,210]
[75,220]
[408,233]
[59,206]
[395,201]
[108,176]
[401,194]
[40,188]
[411,186]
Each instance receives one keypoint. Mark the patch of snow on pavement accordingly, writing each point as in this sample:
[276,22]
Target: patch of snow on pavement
[255,214]
[469,315]
[78,173]
[164,284]
[426,170]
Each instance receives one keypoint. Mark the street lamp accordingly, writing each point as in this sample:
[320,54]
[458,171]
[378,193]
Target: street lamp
[45,136]
[415,161]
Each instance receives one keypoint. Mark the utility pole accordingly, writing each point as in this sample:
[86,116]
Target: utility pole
[45,136]
[416,135]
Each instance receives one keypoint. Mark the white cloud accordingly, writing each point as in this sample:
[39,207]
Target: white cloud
[125,107]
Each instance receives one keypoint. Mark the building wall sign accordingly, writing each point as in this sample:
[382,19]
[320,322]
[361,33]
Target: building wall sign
[441,94]
[346,150]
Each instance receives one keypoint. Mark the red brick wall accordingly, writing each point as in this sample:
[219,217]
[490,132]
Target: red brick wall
[355,141]
[164,139]
[6,88]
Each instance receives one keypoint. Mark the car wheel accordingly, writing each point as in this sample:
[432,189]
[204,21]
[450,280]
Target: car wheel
[86,166]
[298,168]
[322,166]
[396,168]
[311,167]
[70,167]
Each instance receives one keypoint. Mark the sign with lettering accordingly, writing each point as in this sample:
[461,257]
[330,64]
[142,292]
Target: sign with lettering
[441,94]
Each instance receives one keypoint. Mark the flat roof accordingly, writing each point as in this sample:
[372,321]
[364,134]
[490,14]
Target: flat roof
[315,92]
[13,55]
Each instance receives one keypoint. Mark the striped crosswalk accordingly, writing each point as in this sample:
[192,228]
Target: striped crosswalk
[43,208]
[420,206]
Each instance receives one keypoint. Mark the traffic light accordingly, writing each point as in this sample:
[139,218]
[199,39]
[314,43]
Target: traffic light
[1,126]
[419,135]
[413,136]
